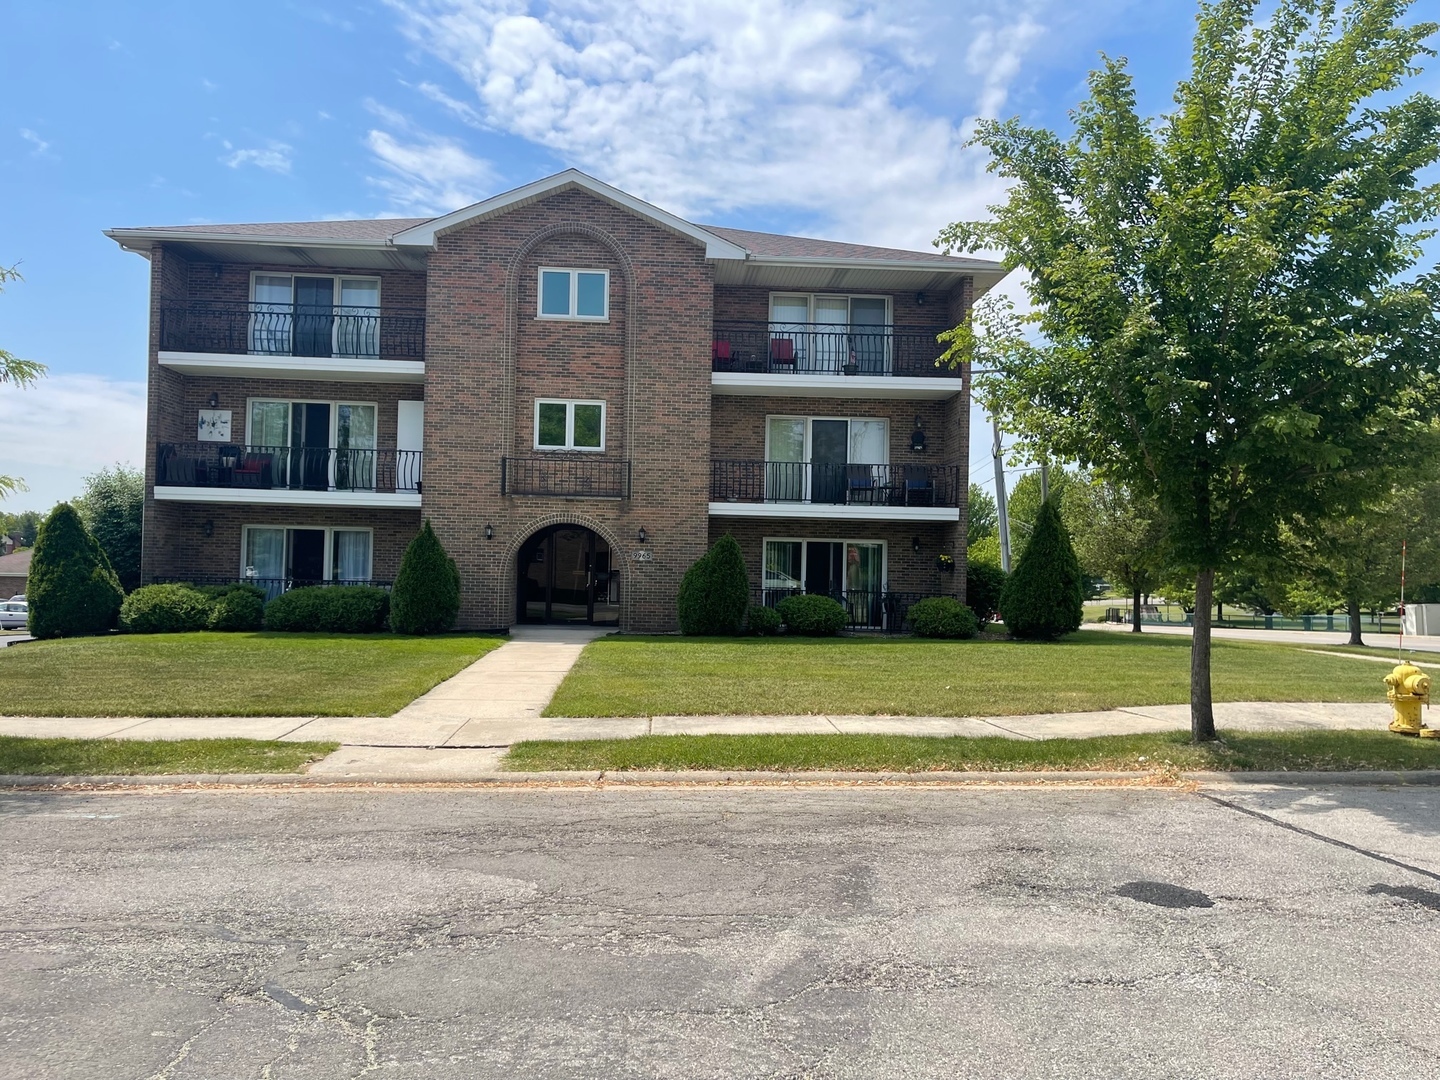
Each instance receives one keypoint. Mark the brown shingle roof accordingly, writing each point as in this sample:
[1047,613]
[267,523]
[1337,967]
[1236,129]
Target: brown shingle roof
[17,562]
[377,229]
[781,246]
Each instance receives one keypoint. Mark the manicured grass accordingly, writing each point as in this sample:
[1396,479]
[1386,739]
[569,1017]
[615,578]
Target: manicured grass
[145,757]
[1167,751]
[229,674]
[1094,669]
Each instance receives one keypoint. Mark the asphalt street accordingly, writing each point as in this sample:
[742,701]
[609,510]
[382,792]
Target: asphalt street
[721,933]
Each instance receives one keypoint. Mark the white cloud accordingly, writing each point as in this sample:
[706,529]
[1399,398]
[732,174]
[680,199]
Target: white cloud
[425,174]
[41,146]
[712,106]
[42,426]
[273,157]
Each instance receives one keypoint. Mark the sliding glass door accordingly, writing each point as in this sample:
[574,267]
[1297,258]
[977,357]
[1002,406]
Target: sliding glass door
[849,571]
[315,315]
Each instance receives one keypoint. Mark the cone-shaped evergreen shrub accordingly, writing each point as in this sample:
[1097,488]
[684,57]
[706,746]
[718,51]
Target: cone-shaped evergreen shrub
[71,589]
[715,591]
[1044,597]
[426,595]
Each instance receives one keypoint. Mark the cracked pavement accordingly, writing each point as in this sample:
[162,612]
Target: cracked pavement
[844,932]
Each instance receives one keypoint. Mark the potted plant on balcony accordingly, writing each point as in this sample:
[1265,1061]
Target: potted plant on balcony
[945,563]
[851,366]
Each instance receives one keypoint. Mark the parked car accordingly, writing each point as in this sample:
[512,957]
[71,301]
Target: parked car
[18,596]
[14,615]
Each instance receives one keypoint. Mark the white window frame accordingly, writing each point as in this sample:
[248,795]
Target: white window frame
[328,530]
[334,433]
[806,541]
[570,446]
[574,272]
[810,299]
[805,459]
[336,304]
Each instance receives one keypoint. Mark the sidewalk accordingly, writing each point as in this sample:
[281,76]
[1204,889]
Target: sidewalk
[1321,639]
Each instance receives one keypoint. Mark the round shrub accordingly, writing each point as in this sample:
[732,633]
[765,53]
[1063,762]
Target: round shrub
[426,598]
[762,620]
[71,588]
[983,584]
[813,616]
[715,591]
[329,609]
[165,609]
[238,609]
[943,617]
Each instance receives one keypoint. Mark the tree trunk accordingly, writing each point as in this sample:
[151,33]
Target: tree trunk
[1352,612]
[1202,711]
[1135,611]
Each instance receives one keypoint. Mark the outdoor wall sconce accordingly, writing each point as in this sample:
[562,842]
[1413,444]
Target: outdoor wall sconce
[917,437]
[214,401]
[208,528]
[919,299]
[643,534]
[489,532]
[915,544]
[217,271]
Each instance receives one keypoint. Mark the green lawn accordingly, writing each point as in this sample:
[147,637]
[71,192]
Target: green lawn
[144,757]
[1095,669]
[1168,751]
[208,674]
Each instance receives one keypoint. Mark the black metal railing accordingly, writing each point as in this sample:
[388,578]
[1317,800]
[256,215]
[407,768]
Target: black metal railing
[259,329]
[226,465]
[565,475]
[782,348]
[840,485]
[867,609]
[273,586]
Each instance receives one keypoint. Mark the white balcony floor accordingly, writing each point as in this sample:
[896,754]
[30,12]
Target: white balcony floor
[371,500]
[327,368]
[833,511]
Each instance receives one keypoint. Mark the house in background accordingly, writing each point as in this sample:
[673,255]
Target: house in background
[580,390]
[14,569]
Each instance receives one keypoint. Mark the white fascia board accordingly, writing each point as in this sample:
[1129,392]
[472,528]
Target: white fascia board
[332,369]
[144,239]
[927,266]
[366,500]
[827,512]
[893,387]
[424,235]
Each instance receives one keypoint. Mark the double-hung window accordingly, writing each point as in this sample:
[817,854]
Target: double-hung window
[574,294]
[569,425]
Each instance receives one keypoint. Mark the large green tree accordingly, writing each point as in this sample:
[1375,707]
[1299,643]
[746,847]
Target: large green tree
[1227,314]
[112,508]
[1119,536]
[982,517]
[16,371]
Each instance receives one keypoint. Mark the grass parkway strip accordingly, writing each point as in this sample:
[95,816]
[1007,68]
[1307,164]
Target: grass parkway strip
[1090,670]
[207,674]
[1167,751]
[136,757]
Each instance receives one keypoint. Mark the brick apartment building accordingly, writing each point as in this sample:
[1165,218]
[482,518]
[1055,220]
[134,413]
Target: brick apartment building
[580,390]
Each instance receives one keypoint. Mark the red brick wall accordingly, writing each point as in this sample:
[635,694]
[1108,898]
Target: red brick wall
[751,303]
[486,360]
[738,424]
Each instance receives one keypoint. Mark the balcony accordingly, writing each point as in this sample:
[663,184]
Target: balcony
[293,340]
[287,476]
[565,476]
[826,359]
[798,489]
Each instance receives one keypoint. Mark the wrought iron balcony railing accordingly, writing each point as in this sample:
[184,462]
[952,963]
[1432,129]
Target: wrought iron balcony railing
[225,465]
[565,475]
[828,349]
[262,329]
[841,485]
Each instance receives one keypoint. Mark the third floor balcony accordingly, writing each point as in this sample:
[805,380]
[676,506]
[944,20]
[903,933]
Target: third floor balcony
[251,338]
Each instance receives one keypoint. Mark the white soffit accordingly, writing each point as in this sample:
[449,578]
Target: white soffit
[827,512]
[923,388]
[241,366]
[424,235]
[367,500]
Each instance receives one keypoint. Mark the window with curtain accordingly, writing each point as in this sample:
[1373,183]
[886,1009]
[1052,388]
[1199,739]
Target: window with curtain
[350,555]
[269,424]
[783,565]
[264,558]
[355,447]
[357,328]
[271,315]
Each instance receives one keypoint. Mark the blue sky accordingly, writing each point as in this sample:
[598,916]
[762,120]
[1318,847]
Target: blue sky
[839,118]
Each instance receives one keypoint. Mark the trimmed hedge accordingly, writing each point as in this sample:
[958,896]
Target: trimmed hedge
[241,608]
[1045,596]
[165,609]
[715,592]
[813,616]
[426,597]
[984,582]
[331,609]
[762,621]
[72,589]
[943,617]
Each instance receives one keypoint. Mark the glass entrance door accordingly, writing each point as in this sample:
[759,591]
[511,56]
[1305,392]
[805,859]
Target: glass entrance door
[565,574]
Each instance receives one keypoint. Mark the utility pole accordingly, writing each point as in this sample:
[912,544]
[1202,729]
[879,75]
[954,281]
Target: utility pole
[1000,500]
[1044,481]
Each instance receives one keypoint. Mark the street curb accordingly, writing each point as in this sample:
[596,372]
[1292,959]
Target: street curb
[712,778]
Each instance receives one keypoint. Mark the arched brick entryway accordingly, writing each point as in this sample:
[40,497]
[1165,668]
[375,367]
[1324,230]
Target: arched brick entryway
[566,571]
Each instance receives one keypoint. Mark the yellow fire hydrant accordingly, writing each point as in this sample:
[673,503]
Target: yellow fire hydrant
[1409,688]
